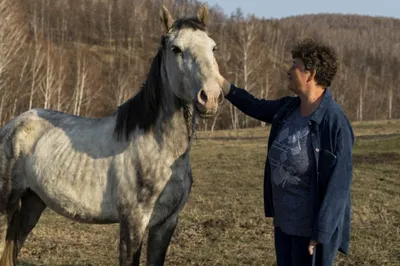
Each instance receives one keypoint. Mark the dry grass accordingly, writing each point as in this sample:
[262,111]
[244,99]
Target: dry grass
[381,127]
[223,223]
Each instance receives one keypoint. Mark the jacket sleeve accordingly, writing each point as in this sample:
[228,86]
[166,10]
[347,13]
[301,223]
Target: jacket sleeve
[332,209]
[260,109]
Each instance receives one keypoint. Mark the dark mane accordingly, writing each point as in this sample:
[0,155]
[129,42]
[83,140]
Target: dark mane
[188,23]
[141,110]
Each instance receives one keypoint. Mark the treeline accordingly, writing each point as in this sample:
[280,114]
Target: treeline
[87,57]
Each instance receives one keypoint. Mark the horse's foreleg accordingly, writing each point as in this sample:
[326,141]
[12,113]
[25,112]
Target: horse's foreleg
[136,256]
[131,236]
[159,238]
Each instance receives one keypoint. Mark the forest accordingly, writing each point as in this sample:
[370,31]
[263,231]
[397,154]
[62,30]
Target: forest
[88,57]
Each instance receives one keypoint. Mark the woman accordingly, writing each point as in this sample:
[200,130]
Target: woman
[308,170]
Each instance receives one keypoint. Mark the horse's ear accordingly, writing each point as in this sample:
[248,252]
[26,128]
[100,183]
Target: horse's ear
[166,18]
[203,14]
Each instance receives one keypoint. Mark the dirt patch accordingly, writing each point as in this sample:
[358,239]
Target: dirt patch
[216,224]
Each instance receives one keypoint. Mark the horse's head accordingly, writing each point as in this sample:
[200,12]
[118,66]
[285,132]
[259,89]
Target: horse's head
[188,54]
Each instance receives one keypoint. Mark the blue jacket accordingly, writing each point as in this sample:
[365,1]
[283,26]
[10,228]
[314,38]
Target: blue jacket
[332,141]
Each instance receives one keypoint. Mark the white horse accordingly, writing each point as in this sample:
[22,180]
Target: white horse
[130,168]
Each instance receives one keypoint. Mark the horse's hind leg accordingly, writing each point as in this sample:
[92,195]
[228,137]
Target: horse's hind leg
[5,191]
[8,206]
[23,221]
[158,241]
[3,231]
[32,208]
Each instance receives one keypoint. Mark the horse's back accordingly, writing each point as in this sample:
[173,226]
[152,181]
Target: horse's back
[20,135]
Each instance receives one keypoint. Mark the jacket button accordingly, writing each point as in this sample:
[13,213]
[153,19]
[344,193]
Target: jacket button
[309,122]
[316,150]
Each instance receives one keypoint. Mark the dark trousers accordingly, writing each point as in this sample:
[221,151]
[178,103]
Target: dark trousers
[293,251]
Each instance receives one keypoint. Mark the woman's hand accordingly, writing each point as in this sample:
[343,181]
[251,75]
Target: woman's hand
[311,246]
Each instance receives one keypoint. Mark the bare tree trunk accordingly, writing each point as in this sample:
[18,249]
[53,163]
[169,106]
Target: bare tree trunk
[215,119]
[1,109]
[265,93]
[232,116]
[205,124]
[60,82]
[363,89]
[390,102]
[276,46]
[59,98]
[14,110]
[232,109]
[283,50]
[110,11]
[360,105]
[80,86]
[235,112]
[81,76]
[48,80]
[36,65]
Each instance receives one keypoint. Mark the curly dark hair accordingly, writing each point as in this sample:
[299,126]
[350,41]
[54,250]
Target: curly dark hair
[319,57]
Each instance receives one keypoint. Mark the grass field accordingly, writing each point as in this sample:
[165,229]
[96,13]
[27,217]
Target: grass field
[223,223]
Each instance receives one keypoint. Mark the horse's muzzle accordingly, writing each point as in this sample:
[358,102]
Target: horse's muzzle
[202,112]
[207,102]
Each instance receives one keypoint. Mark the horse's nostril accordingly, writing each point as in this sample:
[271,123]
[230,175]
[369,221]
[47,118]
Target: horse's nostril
[203,96]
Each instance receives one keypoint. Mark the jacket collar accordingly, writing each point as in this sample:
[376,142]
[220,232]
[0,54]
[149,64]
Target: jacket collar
[319,113]
[316,116]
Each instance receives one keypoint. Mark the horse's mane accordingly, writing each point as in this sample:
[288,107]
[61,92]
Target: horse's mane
[142,109]
[188,23]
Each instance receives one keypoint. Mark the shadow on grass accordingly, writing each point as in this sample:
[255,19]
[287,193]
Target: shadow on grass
[23,263]
[376,158]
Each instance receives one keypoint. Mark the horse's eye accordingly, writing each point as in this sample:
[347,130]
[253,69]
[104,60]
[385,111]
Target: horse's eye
[176,50]
[215,48]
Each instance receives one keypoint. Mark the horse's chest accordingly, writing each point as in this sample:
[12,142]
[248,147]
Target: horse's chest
[173,197]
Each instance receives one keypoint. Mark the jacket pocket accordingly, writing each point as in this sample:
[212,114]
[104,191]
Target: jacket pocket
[327,163]
[327,159]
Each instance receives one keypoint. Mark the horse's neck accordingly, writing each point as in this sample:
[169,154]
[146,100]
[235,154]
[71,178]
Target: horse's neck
[174,127]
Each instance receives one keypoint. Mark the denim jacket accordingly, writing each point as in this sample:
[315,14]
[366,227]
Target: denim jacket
[332,140]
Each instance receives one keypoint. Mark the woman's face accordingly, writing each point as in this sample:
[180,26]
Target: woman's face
[297,76]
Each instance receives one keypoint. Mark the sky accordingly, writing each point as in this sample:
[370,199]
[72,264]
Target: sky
[285,8]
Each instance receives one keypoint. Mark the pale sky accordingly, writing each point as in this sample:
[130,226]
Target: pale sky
[285,8]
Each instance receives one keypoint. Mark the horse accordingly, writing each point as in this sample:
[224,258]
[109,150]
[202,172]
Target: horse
[131,167]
